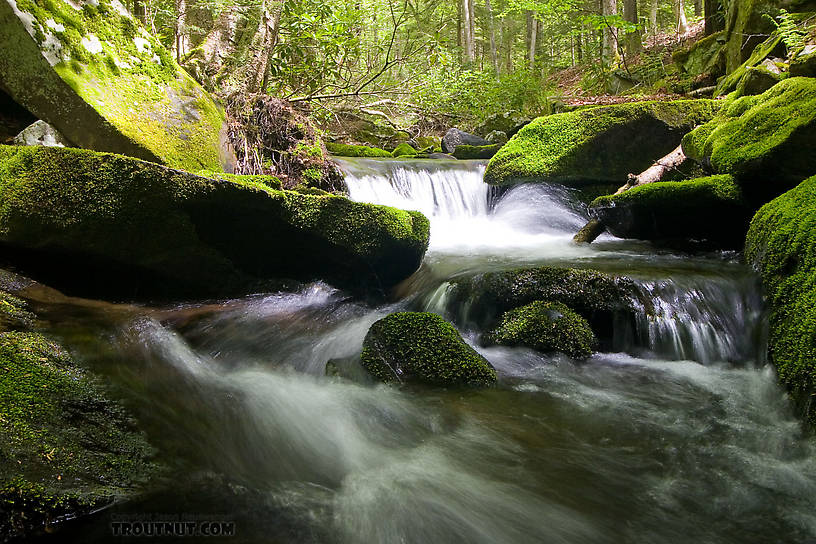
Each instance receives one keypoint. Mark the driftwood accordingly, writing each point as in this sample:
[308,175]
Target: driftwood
[656,172]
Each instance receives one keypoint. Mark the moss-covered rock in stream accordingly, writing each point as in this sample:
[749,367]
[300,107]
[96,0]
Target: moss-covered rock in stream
[422,348]
[348,150]
[765,141]
[600,298]
[104,82]
[546,327]
[465,152]
[596,145]
[710,209]
[781,244]
[404,150]
[107,225]
[66,448]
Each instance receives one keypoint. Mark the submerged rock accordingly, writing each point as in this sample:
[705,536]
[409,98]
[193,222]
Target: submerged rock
[546,327]
[781,246]
[66,448]
[107,84]
[41,133]
[422,348]
[765,141]
[596,145]
[455,137]
[107,225]
[711,209]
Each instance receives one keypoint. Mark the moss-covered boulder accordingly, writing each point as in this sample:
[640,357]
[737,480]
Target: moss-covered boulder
[747,24]
[107,225]
[705,56]
[772,46]
[596,145]
[546,327]
[465,152]
[710,209]
[781,244]
[600,298]
[404,150]
[422,348]
[765,141]
[66,448]
[91,71]
[509,122]
[348,150]
[804,64]
[758,79]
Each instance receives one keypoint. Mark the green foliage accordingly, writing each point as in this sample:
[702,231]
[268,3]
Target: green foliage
[545,327]
[345,150]
[423,348]
[793,36]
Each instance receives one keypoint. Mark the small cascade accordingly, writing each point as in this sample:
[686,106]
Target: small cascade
[704,319]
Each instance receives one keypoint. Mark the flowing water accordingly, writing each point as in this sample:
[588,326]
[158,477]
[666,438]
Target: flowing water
[679,435]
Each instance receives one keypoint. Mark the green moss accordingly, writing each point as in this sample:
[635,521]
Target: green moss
[464,152]
[404,150]
[133,83]
[705,56]
[188,234]
[661,211]
[64,445]
[781,244]
[761,52]
[545,327]
[270,182]
[420,347]
[596,145]
[14,313]
[762,139]
[346,150]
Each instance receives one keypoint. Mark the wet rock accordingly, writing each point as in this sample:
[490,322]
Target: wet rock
[546,327]
[464,152]
[422,348]
[455,137]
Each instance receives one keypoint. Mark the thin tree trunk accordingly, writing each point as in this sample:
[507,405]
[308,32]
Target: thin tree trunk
[610,45]
[714,21]
[579,47]
[698,8]
[180,42]
[633,39]
[494,57]
[680,16]
[532,48]
[467,31]
[653,18]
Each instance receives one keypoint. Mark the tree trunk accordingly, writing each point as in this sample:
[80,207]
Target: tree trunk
[180,42]
[714,20]
[139,11]
[579,47]
[219,43]
[533,38]
[633,39]
[653,18]
[610,42]
[273,31]
[494,57]
[467,31]
[680,16]
[698,8]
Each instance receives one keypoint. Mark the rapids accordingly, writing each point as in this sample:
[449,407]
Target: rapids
[681,434]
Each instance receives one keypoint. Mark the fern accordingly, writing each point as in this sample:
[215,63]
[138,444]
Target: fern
[792,36]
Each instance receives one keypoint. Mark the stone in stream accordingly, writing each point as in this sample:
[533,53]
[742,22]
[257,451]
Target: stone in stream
[596,145]
[600,298]
[546,327]
[710,209]
[90,70]
[455,137]
[106,225]
[464,152]
[422,348]
[509,122]
[67,448]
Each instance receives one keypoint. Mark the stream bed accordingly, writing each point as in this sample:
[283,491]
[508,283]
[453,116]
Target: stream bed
[679,433]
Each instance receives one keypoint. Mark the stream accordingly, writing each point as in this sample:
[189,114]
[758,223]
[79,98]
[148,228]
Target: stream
[679,433]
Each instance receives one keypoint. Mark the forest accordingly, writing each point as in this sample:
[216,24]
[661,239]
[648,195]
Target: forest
[453,271]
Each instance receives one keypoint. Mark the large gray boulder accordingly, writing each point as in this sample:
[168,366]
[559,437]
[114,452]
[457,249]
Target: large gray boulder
[455,137]
[41,133]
